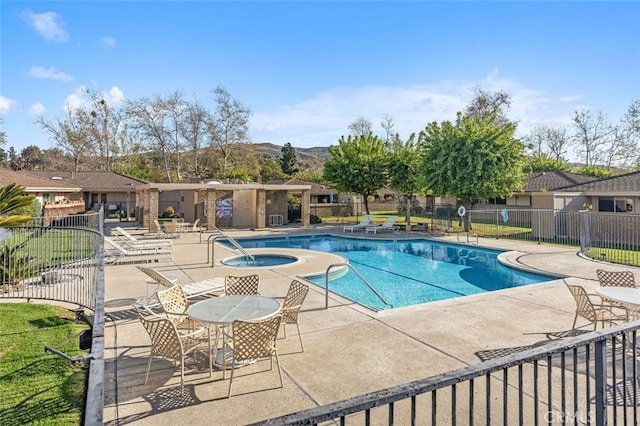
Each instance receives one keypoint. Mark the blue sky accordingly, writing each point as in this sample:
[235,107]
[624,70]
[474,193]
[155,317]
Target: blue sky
[307,69]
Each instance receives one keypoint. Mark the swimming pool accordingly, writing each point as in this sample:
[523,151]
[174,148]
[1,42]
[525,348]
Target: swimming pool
[407,272]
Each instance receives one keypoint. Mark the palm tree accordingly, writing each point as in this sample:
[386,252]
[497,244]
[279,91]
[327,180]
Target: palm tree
[13,263]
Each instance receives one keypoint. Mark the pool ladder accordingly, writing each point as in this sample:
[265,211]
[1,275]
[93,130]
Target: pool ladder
[343,264]
[212,239]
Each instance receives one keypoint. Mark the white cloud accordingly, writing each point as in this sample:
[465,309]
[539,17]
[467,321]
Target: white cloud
[49,73]
[323,119]
[108,41]
[6,105]
[48,24]
[80,99]
[115,96]
[37,109]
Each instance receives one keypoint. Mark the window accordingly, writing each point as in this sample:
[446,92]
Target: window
[615,204]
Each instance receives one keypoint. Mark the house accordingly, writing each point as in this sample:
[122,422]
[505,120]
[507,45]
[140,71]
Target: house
[617,194]
[115,191]
[55,198]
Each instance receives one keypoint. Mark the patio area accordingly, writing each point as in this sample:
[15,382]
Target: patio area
[349,350]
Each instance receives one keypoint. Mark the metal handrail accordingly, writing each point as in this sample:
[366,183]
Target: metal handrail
[212,239]
[326,285]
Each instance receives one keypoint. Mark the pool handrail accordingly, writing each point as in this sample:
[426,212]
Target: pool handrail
[212,239]
[348,265]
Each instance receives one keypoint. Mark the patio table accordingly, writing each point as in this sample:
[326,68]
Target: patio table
[224,310]
[628,296]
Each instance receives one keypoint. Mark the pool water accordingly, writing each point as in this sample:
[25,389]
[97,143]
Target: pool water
[259,260]
[407,272]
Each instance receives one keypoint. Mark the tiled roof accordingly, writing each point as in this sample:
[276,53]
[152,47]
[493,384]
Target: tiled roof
[550,181]
[32,182]
[629,182]
[93,181]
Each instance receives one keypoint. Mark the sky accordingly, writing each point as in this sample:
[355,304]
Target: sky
[308,69]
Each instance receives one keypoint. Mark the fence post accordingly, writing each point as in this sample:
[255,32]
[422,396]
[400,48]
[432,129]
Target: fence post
[600,377]
[497,224]
[539,228]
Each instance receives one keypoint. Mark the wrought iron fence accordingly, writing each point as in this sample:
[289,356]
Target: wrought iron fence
[584,379]
[62,259]
[614,237]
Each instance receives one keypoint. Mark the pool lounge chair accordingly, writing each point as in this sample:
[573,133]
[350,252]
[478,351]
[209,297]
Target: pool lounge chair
[129,239]
[366,221]
[388,225]
[128,251]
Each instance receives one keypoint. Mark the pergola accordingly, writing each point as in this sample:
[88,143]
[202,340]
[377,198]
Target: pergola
[251,205]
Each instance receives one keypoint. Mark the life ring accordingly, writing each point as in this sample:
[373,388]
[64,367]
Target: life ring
[462,211]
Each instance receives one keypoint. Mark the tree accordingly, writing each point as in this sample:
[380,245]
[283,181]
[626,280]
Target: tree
[387,125]
[3,136]
[404,170]
[289,160]
[71,135]
[13,200]
[31,158]
[545,163]
[229,124]
[105,127]
[477,157]
[592,134]
[358,165]
[193,130]
[489,104]
[157,122]
[270,169]
[360,127]
[552,140]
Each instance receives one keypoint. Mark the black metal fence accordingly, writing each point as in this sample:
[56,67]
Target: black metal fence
[614,237]
[587,379]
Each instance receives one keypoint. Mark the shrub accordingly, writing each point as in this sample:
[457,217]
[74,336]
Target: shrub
[315,219]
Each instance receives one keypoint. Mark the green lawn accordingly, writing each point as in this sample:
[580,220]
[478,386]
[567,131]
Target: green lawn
[38,387]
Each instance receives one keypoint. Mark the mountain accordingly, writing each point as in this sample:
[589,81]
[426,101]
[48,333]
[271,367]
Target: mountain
[305,155]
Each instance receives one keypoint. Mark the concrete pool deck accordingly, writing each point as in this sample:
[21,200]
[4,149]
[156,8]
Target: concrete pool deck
[349,350]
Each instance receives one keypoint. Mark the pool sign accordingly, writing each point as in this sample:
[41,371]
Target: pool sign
[224,208]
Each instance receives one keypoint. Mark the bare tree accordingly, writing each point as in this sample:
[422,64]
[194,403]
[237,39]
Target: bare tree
[106,128]
[551,140]
[228,125]
[149,120]
[360,127]
[593,132]
[387,125]
[486,104]
[71,135]
[193,130]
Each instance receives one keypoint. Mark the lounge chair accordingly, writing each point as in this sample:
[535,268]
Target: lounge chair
[128,251]
[366,221]
[203,288]
[388,225]
[130,239]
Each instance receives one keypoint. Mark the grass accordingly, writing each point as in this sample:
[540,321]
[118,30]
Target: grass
[38,387]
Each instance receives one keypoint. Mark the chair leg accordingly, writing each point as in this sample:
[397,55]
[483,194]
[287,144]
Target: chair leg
[300,336]
[146,378]
[279,369]
[230,382]
[575,320]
